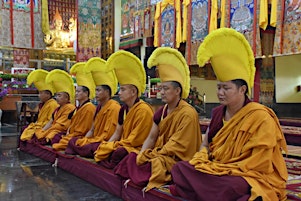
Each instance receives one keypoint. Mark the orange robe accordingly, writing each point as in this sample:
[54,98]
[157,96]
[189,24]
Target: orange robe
[60,122]
[81,123]
[136,126]
[249,145]
[105,124]
[179,139]
[45,114]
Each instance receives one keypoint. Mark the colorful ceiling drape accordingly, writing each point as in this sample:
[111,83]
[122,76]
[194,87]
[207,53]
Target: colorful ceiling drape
[89,30]
[168,26]
[195,26]
[288,27]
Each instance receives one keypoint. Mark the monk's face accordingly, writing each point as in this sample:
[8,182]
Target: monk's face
[80,94]
[101,94]
[62,98]
[169,93]
[127,92]
[229,94]
[45,95]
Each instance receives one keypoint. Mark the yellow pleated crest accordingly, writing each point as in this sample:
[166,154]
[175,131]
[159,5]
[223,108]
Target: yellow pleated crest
[172,66]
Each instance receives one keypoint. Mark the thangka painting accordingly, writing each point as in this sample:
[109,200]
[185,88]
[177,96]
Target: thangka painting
[167,27]
[127,18]
[22,5]
[89,30]
[287,36]
[197,27]
[242,16]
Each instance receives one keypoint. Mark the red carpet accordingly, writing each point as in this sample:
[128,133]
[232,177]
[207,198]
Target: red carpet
[294,181]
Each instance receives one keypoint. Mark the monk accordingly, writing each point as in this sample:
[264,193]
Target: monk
[81,120]
[106,115]
[135,115]
[175,134]
[59,121]
[46,107]
[104,125]
[241,156]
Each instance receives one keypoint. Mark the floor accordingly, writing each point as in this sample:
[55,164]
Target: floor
[24,177]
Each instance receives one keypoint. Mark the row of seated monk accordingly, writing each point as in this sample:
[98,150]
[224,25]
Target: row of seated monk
[125,138]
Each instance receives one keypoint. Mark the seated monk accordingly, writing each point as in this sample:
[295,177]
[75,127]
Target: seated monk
[47,105]
[135,115]
[175,134]
[106,115]
[241,155]
[82,116]
[62,84]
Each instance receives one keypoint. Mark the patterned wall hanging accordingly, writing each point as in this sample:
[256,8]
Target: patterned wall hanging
[195,26]
[288,27]
[21,17]
[21,58]
[89,29]
[168,25]
[242,16]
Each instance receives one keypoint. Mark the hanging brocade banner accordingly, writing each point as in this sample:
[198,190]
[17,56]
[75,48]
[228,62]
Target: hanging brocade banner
[196,13]
[22,20]
[89,30]
[242,15]
[288,26]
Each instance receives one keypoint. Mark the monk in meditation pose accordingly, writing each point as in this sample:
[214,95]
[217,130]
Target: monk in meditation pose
[135,115]
[82,116]
[57,38]
[47,105]
[62,84]
[241,155]
[106,115]
[175,134]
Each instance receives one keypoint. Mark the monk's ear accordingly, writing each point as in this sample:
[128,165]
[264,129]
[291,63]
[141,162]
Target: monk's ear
[243,89]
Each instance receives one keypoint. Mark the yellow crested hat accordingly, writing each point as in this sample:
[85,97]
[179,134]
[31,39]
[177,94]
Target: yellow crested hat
[37,77]
[61,81]
[230,55]
[128,69]
[83,78]
[97,67]
[171,66]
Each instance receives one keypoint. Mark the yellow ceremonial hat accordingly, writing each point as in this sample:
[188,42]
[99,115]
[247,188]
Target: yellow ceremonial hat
[97,67]
[230,55]
[171,66]
[128,69]
[37,77]
[83,78]
[61,81]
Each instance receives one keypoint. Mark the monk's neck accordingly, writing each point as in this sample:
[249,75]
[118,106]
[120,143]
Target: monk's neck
[172,106]
[232,110]
[131,102]
[103,102]
[81,102]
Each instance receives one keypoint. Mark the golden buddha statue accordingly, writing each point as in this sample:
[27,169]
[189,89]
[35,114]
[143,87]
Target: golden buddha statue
[57,38]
